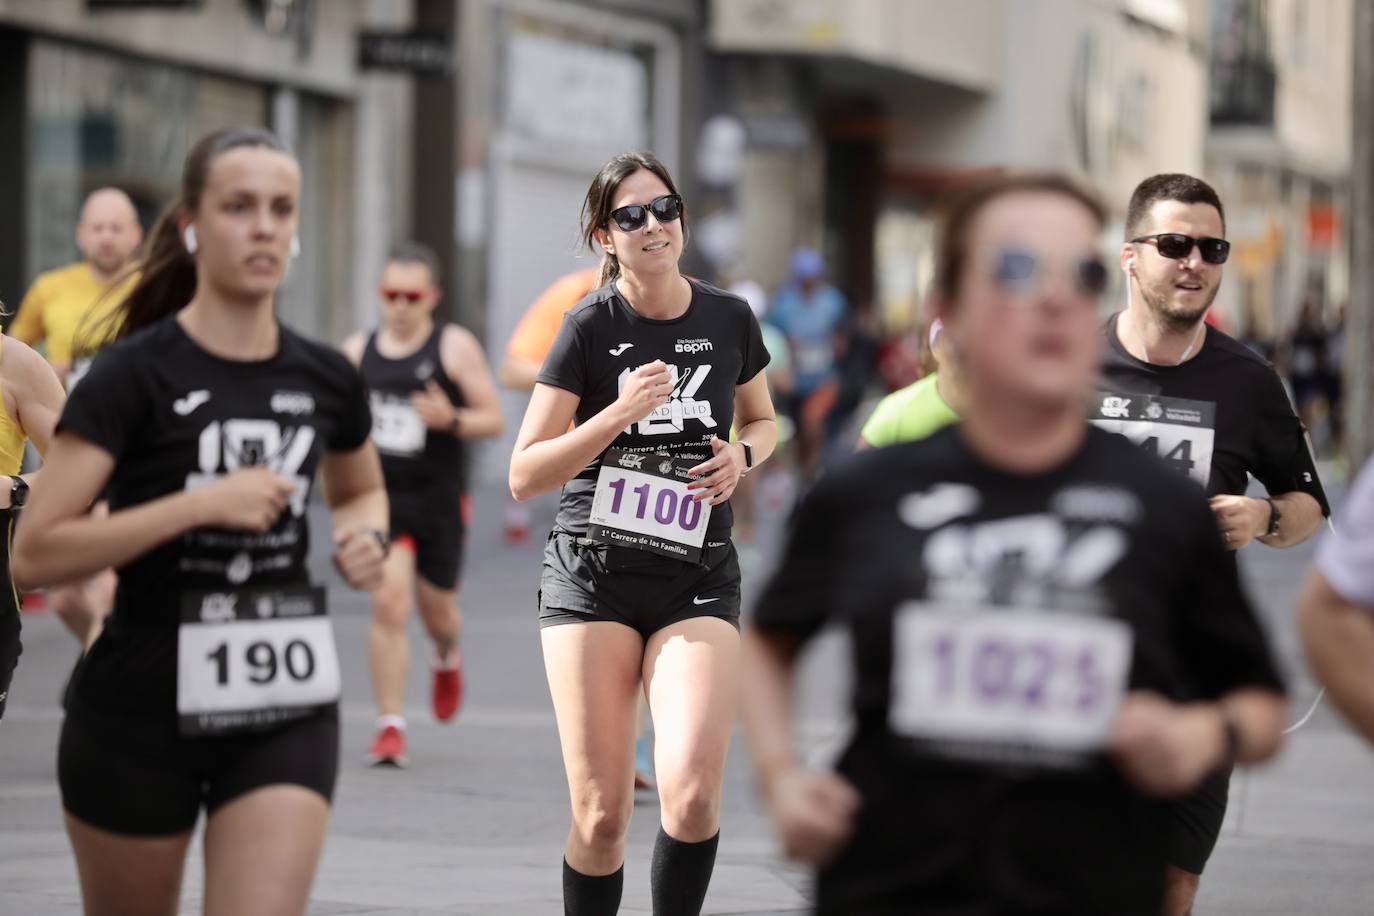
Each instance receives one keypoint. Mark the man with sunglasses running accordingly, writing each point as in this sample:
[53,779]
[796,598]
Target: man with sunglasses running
[1212,409]
[430,391]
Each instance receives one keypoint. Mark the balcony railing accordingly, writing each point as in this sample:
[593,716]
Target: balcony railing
[1243,92]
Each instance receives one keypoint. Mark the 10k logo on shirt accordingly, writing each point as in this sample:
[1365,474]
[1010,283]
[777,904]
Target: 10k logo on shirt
[682,405]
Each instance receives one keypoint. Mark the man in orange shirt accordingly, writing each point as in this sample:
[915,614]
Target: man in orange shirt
[535,333]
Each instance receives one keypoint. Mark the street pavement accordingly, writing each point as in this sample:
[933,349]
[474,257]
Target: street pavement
[476,824]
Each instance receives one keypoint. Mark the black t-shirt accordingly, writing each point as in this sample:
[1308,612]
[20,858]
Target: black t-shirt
[176,417]
[711,348]
[1220,416]
[414,459]
[1002,601]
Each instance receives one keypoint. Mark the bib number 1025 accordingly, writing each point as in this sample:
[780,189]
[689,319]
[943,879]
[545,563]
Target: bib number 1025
[1030,678]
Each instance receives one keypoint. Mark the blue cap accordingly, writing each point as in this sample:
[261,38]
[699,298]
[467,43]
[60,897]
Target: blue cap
[807,264]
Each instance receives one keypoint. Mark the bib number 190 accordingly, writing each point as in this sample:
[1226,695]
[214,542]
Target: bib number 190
[297,661]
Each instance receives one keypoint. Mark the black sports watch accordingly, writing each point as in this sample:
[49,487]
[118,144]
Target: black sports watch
[748,455]
[1275,516]
[19,492]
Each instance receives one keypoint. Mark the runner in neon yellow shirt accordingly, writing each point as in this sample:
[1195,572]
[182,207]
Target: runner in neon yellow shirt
[917,410]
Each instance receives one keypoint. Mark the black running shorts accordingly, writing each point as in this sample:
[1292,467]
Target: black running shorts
[138,776]
[1194,824]
[10,647]
[584,582]
[432,523]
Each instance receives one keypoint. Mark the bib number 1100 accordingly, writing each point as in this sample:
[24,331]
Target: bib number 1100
[297,660]
[667,506]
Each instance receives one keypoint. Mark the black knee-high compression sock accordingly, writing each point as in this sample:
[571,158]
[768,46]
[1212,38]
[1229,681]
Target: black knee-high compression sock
[591,895]
[680,874]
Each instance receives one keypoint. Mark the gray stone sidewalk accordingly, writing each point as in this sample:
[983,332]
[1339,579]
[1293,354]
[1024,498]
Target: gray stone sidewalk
[476,824]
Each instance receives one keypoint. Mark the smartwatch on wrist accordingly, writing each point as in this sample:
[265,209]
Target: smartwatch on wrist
[1232,735]
[1274,518]
[19,492]
[748,455]
[384,540]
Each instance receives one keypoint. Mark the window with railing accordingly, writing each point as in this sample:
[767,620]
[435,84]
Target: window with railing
[1243,75]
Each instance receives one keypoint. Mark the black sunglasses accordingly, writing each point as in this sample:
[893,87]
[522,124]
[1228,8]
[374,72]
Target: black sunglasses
[633,216]
[1022,272]
[1178,246]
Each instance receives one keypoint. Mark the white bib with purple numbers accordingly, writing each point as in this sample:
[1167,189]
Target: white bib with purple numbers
[1178,430]
[642,501]
[396,426]
[1036,679]
[249,659]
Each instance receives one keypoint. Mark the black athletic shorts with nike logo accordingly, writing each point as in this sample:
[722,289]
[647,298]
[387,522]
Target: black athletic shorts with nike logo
[585,581]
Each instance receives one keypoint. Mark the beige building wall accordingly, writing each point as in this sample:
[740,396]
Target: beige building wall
[322,105]
[957,43]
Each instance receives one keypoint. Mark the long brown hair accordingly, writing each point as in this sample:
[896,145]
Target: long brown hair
[596,209]
[167,271]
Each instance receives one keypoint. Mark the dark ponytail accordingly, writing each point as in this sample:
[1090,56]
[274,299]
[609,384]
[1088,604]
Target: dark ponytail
[596,208]
[167,271]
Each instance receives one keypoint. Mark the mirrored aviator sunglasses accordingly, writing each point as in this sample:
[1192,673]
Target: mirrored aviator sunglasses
[1022,272]
[1176,246]
[633,216]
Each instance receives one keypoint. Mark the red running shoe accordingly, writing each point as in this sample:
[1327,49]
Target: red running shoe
[389,747]
[447,695]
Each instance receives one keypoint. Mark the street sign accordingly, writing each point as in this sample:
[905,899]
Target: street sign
[422,53]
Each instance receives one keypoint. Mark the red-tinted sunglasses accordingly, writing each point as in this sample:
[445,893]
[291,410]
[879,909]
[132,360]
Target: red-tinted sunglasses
[409,295]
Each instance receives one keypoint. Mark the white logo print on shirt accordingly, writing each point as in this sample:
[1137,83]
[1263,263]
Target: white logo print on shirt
[621,349]
[682,405]
[184,407]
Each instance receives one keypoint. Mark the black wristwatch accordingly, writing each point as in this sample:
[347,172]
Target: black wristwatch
[1231,731]
[1274,518]
[748,455]
[19,492]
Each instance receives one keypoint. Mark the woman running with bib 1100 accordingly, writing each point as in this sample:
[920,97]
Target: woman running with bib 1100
[640,588]
[215,682]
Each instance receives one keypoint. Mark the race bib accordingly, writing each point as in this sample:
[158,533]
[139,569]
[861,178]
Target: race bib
[814,358]
[1180,431]
[253,658]
[642,501]
[396,426]
[988,683]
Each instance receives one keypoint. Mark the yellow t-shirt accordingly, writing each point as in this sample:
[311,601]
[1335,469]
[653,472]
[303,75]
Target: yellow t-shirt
[67,306]
[11,437]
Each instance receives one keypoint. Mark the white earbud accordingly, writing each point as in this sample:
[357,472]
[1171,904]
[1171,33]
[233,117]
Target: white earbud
[295,247]
[1130,262]
[188,238]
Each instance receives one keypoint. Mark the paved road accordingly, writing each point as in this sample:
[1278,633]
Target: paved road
[476,825]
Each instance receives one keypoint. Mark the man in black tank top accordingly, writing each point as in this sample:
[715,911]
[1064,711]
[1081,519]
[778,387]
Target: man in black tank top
[430,390]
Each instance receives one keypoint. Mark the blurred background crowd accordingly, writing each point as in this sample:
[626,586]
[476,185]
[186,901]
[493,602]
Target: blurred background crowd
[812,138]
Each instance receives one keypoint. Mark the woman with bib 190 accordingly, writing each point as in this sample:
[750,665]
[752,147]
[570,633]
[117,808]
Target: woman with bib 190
[641,585]
[215,683]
